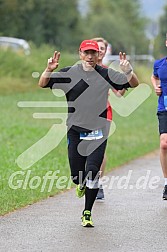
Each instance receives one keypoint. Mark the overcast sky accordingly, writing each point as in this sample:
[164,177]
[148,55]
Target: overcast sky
[153,8]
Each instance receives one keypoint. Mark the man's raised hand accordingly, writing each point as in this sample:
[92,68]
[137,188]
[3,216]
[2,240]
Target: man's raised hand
[53,62]
[124,64]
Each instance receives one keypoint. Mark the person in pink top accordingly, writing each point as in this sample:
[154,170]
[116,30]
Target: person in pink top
[103,44]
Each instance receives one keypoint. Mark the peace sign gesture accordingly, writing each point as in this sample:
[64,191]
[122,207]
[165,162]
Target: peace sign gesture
[53,62]
[124,64]
[122,56]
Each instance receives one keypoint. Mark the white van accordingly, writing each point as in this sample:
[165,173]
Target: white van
[15,44]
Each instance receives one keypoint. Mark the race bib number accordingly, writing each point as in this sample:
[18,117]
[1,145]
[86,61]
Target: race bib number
[165,101]
[94,135]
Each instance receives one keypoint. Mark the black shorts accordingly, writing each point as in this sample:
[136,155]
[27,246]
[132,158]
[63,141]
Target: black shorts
[162,117]
[81,165]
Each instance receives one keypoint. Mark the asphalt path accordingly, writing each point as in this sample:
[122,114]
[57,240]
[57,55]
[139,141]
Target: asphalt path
[133,216]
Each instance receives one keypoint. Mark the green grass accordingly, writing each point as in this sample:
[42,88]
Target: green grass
[16,70]
[20,131]
[135,135]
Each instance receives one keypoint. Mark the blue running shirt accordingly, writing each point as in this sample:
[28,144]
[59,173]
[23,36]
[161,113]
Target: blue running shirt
[160,71]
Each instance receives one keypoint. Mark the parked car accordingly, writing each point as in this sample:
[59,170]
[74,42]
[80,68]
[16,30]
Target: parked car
[15,44]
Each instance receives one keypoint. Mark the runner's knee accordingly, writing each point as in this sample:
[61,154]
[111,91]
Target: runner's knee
[78,177]
[163,143]
[92,172]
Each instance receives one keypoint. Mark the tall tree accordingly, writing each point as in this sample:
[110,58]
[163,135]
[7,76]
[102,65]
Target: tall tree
[45,21]
[162,50]
[120,22]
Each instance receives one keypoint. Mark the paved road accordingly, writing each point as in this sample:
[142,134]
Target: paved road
[132,219]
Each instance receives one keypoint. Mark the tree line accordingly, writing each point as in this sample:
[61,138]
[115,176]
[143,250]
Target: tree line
[60,23]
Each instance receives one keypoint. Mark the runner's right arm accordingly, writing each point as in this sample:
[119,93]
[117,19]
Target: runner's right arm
[156,84]
[53,63]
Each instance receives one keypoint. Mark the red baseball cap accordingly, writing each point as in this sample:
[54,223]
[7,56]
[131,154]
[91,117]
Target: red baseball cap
[89,45]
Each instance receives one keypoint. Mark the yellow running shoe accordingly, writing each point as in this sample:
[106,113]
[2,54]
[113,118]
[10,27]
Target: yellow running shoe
[87,219]
[80,191]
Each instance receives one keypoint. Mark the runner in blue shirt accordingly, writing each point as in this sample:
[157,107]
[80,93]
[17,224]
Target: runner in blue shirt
[159,81]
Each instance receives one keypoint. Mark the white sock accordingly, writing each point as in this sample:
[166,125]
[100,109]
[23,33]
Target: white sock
[165,179]
[92,184]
